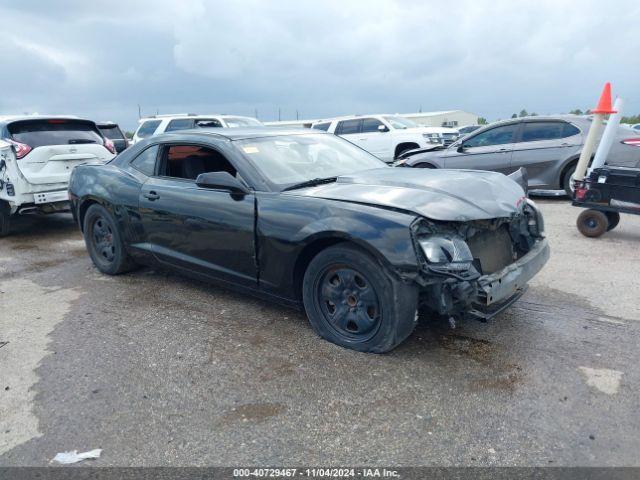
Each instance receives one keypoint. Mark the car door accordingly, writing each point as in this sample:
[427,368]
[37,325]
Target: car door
[202,230]
[490,149]
[542,146]
[375,141]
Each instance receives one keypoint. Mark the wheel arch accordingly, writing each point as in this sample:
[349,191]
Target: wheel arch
[403,146]
[84,206]
[321,242]
[572,162]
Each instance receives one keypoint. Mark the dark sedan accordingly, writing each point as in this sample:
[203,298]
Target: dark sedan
[309,219]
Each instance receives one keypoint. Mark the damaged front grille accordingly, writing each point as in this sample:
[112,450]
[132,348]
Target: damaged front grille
[492,250]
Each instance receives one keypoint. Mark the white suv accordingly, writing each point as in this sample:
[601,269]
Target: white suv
[158,124]
[387,136]
[37,154]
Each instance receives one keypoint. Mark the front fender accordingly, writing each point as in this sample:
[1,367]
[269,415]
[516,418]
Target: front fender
[290,226]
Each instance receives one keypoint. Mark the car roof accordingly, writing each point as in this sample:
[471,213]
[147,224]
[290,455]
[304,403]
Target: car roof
[191,115]
[240,133]
[355,117]
[7,119]
[581,119]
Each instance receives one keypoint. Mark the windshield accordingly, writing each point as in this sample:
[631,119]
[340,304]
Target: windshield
[291,159]
[55,131]
[233,122]
[112,132]
[400,123]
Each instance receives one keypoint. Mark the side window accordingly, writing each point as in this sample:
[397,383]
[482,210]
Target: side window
[371,125]
[189,161]
[145,162]
[208,123]
[179,124]
[537,131]
[569,130]
[346,127]
[494,136]
[147,128]
[322,126]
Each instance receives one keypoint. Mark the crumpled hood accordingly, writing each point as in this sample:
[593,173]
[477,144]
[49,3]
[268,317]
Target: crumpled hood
[446,195]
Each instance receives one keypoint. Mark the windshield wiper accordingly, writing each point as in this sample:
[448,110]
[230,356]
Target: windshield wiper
[311,183]
[76,141]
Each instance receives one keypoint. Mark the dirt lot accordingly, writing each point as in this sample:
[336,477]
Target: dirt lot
[160,370]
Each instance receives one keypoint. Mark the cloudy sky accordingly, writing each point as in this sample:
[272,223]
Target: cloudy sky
[103,59]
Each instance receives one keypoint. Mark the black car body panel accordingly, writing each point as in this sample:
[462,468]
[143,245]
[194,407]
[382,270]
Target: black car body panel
[261,241]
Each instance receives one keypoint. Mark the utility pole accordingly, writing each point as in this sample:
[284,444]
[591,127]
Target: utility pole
[297,116]
[255,113]
[139,111]
[278,113]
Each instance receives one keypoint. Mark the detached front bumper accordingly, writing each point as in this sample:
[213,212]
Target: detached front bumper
[500,289]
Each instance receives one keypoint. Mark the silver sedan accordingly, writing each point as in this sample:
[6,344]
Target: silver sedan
[548,147]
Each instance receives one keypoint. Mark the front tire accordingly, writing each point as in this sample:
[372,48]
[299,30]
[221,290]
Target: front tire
[567,180]
[104,242]
[592,223]
[354,302]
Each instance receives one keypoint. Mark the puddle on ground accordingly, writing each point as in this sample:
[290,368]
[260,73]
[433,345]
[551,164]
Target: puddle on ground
[475,348]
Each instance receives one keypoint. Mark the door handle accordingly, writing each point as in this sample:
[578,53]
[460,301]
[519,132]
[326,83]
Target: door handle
[151,195]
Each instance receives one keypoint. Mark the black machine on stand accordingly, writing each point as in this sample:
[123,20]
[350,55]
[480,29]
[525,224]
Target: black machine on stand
[606,193]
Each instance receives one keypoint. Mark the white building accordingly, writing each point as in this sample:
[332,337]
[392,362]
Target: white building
[446,118]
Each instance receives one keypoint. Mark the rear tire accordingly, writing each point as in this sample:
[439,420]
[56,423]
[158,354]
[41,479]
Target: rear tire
[5,218]
[354,302]
[592,223]
[614,220]
[104,242]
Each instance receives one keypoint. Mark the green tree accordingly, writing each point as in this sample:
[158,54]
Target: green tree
[515,115]
[576,111]
[482,121]
[524,113]
[631,119]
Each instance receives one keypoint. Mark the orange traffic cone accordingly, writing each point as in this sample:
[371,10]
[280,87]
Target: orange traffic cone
[604,105]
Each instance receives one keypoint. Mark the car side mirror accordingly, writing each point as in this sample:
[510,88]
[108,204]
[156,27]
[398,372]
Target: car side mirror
[382,128]
[221,181]
[461,148]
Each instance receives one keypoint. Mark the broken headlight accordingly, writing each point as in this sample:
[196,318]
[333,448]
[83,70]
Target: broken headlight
[449,253]
[535,220]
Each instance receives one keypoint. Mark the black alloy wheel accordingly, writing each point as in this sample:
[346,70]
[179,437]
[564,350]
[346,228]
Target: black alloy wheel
[102,239]
[104,242]
[352,300]
[348,302]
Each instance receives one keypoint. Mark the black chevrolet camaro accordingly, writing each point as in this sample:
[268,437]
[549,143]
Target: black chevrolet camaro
[308,219]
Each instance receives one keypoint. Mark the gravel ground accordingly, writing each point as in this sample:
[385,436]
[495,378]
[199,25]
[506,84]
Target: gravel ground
[156,369]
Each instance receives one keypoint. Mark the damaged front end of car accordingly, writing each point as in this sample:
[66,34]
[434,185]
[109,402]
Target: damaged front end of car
[478,268]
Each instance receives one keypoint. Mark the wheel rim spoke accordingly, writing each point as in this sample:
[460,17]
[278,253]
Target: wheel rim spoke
[349,303]
[103,239]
